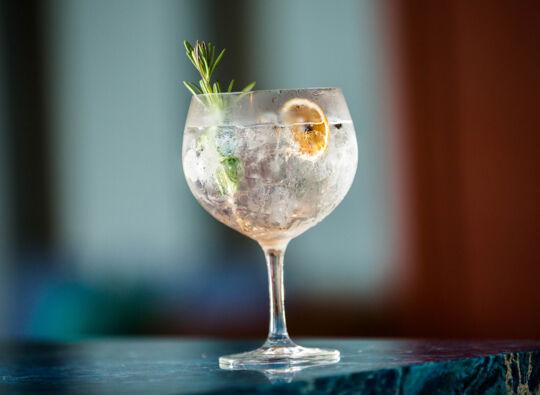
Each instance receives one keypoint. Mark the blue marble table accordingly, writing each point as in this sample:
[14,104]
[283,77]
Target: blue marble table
[175,366]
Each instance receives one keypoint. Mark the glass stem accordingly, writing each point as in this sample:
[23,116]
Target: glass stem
[277,336]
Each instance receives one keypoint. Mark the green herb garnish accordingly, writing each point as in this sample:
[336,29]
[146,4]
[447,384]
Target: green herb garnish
[228,175]
[203,56]
[232,167]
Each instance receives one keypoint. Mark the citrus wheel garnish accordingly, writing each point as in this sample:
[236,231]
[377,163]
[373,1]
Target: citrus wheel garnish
[309,127]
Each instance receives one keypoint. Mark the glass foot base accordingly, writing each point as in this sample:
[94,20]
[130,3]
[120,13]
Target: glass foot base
[279,356]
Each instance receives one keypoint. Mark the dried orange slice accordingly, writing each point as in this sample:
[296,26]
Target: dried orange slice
[309,127]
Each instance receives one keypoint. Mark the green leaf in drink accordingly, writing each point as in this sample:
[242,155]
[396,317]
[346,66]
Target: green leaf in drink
[227,175]
[203,57]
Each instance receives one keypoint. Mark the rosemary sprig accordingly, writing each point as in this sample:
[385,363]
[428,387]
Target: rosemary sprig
[229,172]
[203,56]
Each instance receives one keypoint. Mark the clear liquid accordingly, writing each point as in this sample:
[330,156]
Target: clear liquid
[277,194]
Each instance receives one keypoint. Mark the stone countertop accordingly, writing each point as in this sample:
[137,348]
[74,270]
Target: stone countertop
[175,366]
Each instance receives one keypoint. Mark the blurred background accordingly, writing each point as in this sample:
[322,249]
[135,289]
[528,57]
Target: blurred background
[439,235]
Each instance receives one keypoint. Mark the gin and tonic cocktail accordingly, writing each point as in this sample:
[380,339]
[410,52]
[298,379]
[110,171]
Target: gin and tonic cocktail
[271,164]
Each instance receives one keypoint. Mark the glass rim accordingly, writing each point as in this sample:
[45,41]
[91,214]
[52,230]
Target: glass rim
[278,91]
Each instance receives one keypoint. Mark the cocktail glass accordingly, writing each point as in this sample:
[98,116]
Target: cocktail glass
[271,164]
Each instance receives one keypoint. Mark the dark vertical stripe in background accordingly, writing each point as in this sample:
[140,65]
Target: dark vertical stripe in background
[230,30]
[28,136]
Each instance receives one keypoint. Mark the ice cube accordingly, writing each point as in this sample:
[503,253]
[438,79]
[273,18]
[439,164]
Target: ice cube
[226,140]
[269,117]
[193,166]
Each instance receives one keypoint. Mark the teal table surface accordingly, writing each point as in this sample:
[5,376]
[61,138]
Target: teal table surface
[177,366]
